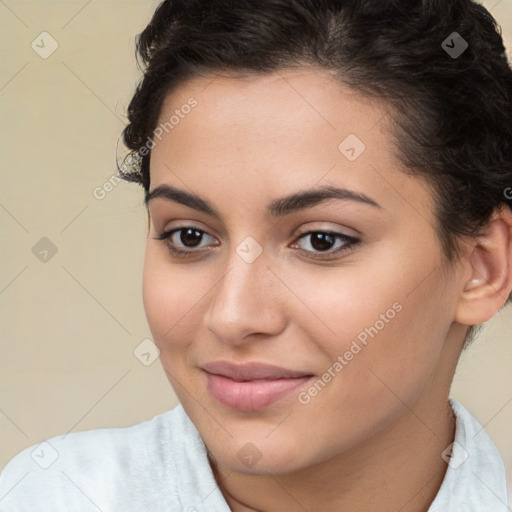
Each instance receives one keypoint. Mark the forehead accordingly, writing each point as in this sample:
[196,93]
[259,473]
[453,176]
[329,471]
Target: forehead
[295,113]
[284,130]
[282,99]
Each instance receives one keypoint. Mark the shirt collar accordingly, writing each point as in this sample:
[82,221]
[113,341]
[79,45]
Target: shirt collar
[475,480]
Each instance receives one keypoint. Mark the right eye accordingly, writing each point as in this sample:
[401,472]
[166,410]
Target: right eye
[189,236]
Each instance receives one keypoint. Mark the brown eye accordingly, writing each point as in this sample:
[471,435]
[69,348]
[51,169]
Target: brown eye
[184,241]
[189,238]
[322,242]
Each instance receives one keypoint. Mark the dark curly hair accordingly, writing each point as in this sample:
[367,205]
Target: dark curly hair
[451,112]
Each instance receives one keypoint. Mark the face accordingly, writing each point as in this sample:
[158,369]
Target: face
[349,290]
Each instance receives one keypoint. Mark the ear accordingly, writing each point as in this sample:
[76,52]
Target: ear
[489,267]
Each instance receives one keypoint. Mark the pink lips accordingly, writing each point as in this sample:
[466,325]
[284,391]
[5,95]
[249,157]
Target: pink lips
[251,386]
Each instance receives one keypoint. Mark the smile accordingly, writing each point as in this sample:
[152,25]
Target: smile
[251,395]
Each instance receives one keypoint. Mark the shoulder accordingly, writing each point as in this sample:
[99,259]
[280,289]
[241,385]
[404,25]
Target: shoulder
[96,468]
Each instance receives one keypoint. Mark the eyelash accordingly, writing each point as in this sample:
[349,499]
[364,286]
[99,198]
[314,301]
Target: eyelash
[350,242]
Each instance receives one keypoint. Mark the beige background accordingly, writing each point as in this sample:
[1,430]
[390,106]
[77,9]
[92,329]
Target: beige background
[69,325]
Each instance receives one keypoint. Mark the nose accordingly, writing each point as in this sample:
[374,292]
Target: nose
[246,301]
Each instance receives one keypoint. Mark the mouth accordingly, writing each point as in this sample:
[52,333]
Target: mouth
[252,386]
[251,371]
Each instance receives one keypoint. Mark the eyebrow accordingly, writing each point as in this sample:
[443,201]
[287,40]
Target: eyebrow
[300,200]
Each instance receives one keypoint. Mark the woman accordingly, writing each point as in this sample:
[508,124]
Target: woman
[328,190]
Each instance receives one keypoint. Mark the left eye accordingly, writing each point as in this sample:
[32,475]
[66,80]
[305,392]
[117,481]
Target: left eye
[321,242]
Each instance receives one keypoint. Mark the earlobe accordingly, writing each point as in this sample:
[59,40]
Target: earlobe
[490,280]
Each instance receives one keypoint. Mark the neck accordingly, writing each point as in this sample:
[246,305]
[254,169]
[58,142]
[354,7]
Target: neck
[400,468]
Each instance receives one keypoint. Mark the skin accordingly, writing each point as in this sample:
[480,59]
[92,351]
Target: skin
[372,438]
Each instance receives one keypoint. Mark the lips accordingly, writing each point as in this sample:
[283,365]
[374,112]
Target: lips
[251,371]
[251,386]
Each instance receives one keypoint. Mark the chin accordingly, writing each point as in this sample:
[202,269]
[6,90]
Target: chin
[249,460]
[260,468]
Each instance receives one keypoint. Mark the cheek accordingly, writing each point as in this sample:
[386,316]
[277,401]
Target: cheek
[339,305]
[171,300]
[387,321]
[385,348]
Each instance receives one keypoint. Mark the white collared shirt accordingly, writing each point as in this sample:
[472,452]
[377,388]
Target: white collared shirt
[476,479]
[161,465]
